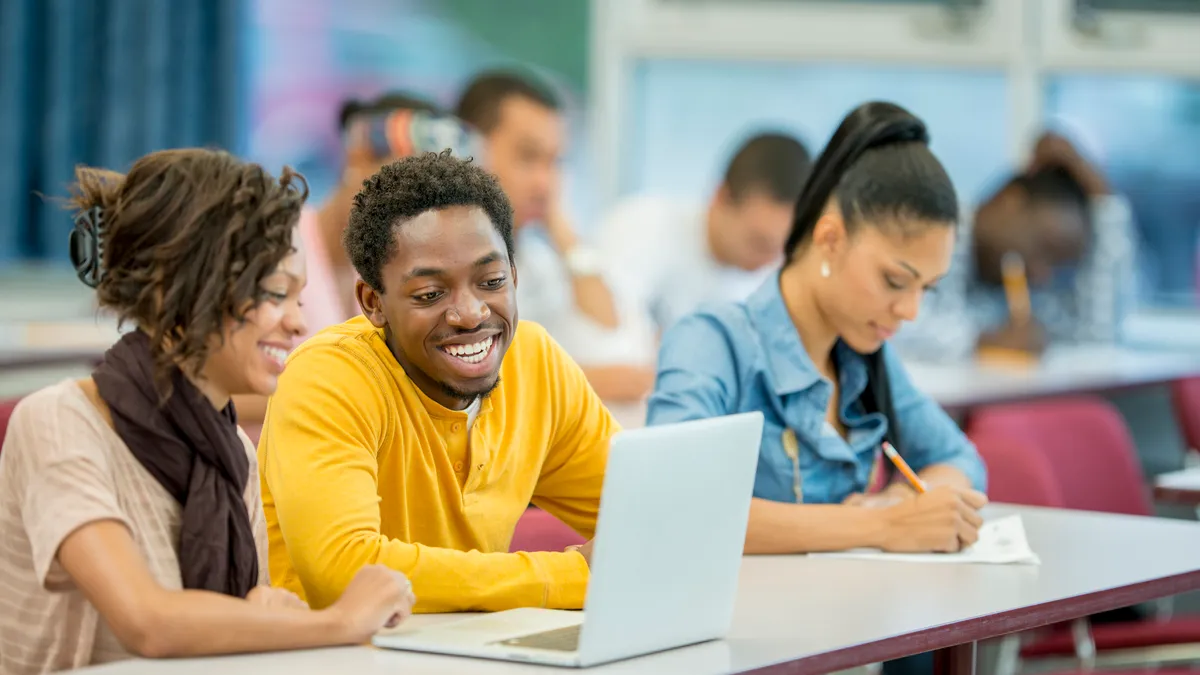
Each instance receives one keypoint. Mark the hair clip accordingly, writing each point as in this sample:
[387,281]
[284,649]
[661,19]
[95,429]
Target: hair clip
[87,246]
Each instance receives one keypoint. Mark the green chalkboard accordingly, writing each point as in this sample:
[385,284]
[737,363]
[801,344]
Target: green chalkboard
[549,34]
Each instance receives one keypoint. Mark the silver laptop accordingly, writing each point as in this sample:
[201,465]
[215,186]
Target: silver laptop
[664,571]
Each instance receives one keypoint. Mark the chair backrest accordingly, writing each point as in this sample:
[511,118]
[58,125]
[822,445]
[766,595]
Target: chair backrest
[1185,394]
[540,531]
[6,411]
[1018,473]
[1085,442]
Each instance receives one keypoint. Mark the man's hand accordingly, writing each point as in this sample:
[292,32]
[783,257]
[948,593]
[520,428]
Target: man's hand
[592,297]
[584,549]
[558,226]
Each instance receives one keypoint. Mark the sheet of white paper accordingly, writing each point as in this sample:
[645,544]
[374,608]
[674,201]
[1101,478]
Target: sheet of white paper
[1187,479]
[1001,542]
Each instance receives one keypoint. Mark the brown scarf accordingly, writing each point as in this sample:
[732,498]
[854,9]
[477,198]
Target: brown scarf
[195,453]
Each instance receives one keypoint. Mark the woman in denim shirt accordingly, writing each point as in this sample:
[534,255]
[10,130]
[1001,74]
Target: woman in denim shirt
[874,229]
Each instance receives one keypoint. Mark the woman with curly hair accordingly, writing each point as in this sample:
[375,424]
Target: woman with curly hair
[130,515]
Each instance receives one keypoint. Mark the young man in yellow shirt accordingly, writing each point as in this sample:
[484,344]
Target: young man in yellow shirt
[416,435]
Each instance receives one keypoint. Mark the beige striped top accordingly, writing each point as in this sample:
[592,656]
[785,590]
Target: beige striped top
[62,466]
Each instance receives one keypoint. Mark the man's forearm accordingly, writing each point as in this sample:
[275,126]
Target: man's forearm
[593,299]
[620,384]
[591,295]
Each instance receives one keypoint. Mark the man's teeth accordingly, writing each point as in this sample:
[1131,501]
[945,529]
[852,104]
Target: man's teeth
[473,353]
[276,354]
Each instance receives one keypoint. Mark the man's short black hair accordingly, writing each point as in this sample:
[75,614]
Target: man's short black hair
[775,164]
[480,103]
[409,187]
[393,100]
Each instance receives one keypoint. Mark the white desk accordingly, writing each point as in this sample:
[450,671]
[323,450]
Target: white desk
[1179,487]
[1163,329]
[810,615]
[1063,370]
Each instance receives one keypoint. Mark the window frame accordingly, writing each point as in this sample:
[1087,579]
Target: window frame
[1123,41]
[1030,40]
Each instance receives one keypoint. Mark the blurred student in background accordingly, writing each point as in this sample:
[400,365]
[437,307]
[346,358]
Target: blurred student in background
[374,133]
[391,127]
[561,283]
[1074,239]
[329,296]
[874,228]
[667,257]
[129,500]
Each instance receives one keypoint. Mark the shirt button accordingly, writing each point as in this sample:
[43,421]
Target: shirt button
[457,427]
[458,466]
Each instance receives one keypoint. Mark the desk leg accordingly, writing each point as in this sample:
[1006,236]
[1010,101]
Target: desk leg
[956,660]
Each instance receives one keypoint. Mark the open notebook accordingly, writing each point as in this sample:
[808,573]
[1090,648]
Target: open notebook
[1001,542]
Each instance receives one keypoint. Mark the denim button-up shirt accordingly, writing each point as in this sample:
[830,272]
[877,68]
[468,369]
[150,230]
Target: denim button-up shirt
[735,358]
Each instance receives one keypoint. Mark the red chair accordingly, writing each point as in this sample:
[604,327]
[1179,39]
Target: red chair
[1074,453]
[1018,473]
[1088,449]
[6,411]
[537,530]
[1185,395]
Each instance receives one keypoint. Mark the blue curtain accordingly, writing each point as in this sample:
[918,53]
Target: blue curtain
[102,82]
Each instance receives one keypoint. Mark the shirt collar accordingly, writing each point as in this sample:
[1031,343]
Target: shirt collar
[793,370]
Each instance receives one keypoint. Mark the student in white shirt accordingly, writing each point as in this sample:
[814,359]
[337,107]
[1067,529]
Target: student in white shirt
[664,258]
[559,281]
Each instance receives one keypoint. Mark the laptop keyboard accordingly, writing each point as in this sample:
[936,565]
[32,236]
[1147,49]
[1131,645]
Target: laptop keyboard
[558,640]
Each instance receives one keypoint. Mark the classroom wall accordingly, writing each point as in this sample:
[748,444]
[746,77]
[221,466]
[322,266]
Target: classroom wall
[295,62]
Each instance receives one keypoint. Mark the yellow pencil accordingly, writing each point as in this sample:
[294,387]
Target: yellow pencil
[1016,287]
[913,478]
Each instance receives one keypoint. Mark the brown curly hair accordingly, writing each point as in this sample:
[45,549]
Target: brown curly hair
[188,236]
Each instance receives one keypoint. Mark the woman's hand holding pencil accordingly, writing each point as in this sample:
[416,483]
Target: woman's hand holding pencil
[943,520]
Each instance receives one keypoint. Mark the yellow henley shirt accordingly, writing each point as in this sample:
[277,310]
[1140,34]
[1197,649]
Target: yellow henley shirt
[358,466]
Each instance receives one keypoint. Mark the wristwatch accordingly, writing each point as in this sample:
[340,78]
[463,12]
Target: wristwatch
[581,261]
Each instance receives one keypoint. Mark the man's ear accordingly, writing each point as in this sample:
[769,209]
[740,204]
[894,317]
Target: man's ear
[371,303]
[513,268]
[723,196]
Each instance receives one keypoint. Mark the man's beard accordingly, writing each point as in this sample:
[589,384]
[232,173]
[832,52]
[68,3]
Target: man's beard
[469,395]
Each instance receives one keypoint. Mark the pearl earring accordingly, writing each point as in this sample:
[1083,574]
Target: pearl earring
[825,269]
